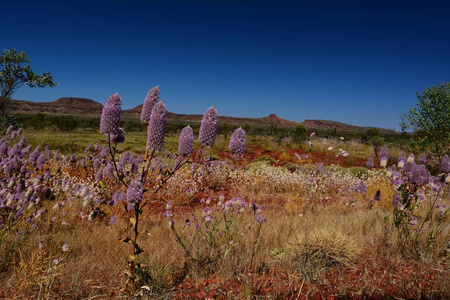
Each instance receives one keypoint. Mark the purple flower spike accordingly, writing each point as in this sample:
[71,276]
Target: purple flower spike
[208,127]
[157,127]
[422,159]
[237,142]
[260,219]
[150,100]
[384,155]
[361,188]
[445,164]
[186,143]
[119,137]
[370,164]
[134,192]
[419,175]
[110,119]
[10,128]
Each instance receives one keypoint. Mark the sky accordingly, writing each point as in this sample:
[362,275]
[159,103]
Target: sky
[359,62]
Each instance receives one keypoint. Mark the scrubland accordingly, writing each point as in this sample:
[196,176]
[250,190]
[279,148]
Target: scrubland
[285,221]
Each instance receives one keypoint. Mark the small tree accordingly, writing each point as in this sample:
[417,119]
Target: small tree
[430,120]
[299,133]
[16,71]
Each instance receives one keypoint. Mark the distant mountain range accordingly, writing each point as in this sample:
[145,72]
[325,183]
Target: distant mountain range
[82,107]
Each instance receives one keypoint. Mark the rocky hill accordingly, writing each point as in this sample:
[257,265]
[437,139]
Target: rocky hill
[89,108]
[62,106]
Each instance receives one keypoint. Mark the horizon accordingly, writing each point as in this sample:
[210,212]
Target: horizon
[343,61]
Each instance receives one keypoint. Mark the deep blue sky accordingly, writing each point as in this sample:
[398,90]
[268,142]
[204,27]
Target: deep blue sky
[359,62]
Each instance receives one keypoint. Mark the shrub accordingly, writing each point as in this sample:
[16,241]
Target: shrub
[312,252]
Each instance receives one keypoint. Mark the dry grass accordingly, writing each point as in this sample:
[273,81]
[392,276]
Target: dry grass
[327,247]
[336,231]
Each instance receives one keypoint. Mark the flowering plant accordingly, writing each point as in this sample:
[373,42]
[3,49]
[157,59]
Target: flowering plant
[212,234]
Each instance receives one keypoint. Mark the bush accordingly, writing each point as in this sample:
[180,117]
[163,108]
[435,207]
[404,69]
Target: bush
[65,123]
[314,251]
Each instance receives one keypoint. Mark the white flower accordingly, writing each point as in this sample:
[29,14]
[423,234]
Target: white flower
[65,248]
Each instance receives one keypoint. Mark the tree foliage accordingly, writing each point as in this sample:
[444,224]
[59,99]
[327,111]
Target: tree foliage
[16,72]
[430,120]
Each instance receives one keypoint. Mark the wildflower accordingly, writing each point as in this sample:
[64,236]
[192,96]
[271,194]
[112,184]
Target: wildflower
[422,159]
[40,161]
[330,148]
[401,160]
[384,155]
[99,175]
[237,142]
[110,118]
[396,199]
[260,219]
[118,197]
[168,214]
[383,161]
[150,100]
[108,171]
[157,127]
[445,164]
[361,188]
[208,127]
[104,152]
[370,164]
[119,137]
[207,214]
[134,192]
[413,221]
[419,175]
[257,209]
[65,248]
[10,128]
[411,158]
[186,142]
[319,168]
[313,134]
[113,220]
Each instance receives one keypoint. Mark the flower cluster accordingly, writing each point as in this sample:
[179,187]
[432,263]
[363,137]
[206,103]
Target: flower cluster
[186,143]
[208,127]
[214,230]
[419,208]
[149,102]
[237,142]
[157,127]
[110,118]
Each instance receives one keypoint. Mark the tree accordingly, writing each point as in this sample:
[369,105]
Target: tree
[430,120]
[299,133]
[374,139]
[16,71]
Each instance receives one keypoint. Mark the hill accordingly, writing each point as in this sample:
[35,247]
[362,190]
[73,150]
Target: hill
[82,107]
